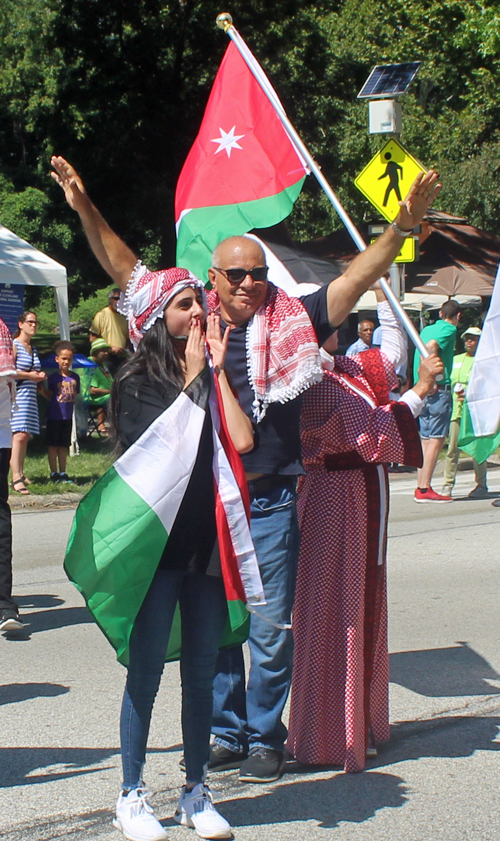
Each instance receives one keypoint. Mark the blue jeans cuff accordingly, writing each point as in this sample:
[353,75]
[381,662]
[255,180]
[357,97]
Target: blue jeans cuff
[229,746]
[256,745]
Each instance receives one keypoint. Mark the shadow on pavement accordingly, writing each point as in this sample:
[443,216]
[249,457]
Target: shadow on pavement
[444,672]
[448,737]
[38,601]
[19,765]
[12,693]
[27,765]
[51,618]
[344,797]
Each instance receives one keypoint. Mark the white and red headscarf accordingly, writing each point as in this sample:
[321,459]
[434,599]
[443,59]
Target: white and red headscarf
[282,350]
[281,347]
[147,295]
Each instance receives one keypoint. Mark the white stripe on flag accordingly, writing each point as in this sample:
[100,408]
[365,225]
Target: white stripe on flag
[483,389]
[237,521]
[158,465]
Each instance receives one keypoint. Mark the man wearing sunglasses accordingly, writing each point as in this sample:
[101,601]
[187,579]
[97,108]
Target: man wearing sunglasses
[110,325]
[271,359]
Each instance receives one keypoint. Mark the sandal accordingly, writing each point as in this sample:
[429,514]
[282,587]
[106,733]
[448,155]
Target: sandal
[26,480]
[22,490]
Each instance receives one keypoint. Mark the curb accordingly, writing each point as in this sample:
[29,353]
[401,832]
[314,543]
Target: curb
[42,502]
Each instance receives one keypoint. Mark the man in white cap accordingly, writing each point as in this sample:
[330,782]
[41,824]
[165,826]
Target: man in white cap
[460,374]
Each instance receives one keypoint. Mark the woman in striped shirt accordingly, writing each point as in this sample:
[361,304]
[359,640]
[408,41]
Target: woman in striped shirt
[25,420]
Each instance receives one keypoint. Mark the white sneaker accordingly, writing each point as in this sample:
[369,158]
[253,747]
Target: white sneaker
[135,818]
[195,809]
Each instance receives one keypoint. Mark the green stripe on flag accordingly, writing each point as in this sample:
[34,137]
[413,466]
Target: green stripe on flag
[114,548]
[113,553]
[480,448]
[201,229]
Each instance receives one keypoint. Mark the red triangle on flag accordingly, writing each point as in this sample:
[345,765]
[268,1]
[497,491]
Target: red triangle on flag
[242,152]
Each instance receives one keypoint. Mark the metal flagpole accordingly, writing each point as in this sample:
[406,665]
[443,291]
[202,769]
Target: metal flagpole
[225,22]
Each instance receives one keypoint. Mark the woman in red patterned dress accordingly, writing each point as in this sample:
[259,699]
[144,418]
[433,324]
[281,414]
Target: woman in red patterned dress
[350,430]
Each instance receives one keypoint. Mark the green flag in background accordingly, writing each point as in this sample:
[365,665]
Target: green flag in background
[479,447]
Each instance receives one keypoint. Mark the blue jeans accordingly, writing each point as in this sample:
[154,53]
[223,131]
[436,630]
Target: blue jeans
[203,609]
[241,722]
[434,420]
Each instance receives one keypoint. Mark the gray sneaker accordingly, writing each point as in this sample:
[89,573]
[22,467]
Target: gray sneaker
[223,759]
[446,490]
[262,765]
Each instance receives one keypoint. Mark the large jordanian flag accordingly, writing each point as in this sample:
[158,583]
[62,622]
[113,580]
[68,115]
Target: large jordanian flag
[480,425]
[122,525]
[242,171]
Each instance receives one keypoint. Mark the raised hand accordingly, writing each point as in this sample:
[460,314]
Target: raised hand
[428,370]
[195,359]
[216,341]
[115,257]
[68,179]
[422,193]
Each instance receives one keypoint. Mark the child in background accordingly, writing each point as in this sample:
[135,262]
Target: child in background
[62,387]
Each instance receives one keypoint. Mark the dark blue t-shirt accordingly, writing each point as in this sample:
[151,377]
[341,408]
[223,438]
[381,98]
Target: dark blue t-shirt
[277,436]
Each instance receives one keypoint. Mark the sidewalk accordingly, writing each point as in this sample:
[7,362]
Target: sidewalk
[435,779]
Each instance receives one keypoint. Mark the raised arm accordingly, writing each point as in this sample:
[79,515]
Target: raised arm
[115,257]
[369,265]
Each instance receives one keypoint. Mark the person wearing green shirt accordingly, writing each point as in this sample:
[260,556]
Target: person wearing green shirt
[461,371]
[101,382]
[435,417]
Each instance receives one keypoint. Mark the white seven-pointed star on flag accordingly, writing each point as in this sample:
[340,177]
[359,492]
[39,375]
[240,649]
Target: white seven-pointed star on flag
[228,141]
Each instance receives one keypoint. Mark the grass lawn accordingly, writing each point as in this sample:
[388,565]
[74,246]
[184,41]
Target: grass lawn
[94,459]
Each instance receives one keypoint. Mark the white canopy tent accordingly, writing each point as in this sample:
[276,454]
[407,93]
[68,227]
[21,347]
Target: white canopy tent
[24,265]
[419,302]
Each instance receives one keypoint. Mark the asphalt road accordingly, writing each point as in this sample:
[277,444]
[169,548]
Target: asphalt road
[436,778]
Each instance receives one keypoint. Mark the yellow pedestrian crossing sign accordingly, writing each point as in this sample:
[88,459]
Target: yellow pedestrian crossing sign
[386,180]
[409,251]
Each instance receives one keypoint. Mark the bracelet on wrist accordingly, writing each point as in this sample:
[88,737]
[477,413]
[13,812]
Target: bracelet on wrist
[399,231]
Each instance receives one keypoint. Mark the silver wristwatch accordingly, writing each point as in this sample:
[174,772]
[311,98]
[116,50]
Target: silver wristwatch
[398,231]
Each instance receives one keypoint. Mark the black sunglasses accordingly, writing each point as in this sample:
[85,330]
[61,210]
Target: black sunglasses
[259,273]
[115,298]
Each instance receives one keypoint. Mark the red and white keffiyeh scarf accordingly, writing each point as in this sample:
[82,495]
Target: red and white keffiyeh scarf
[281,348]
[147,295]
[7,363]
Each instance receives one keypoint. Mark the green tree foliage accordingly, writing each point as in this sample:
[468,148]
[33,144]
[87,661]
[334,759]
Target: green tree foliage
[119,88]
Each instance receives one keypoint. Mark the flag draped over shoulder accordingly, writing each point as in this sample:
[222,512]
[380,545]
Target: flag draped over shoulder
[122,525]
[480,426]
[241,173]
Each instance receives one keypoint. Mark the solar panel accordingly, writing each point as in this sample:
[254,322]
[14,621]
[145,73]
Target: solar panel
[389,80]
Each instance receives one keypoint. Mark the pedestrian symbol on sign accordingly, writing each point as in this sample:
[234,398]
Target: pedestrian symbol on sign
[388,177]
[391,172]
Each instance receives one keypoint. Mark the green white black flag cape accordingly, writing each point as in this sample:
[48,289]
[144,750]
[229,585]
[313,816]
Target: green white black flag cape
[122,525]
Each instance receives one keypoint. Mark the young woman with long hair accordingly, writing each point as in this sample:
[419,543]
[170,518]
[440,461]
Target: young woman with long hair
[166,319]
